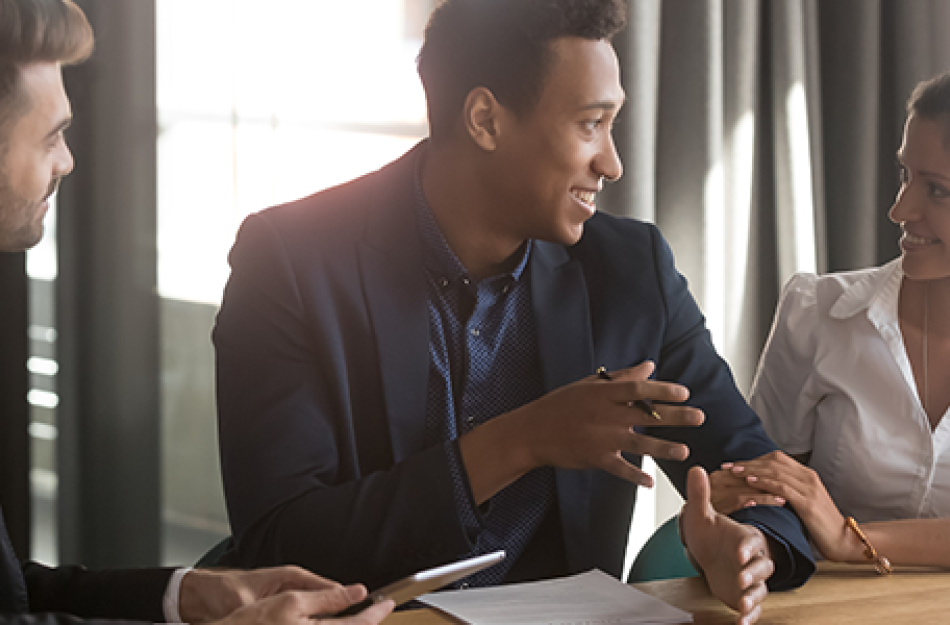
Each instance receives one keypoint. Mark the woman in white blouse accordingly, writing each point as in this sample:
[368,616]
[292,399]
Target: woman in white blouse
[854,381]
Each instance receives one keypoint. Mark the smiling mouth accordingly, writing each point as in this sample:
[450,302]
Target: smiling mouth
[585,197]
[915,240]
[53,188]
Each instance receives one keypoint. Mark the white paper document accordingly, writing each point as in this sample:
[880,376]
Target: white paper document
[591,598]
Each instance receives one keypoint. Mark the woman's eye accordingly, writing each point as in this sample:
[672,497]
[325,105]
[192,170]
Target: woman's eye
[902,174]
[938,191]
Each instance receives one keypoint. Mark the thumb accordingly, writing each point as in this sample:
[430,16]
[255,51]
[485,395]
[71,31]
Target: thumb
[699,493]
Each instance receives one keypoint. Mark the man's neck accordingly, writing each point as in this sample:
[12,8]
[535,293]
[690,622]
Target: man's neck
[466,212]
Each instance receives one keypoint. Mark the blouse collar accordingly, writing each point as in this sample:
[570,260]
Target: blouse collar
[876,291]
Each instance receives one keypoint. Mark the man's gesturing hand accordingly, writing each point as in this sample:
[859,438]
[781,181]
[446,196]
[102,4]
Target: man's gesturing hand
[734,558]
[584,425]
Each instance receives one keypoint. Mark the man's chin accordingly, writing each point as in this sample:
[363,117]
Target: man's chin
[573,235]
[22,239]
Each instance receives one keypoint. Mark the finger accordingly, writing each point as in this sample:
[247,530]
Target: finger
[370,616]
[775,461]
[624,391]
[731,502]
[727,481]
[753,615]
[644,445]
[329,602]
[632,414]
[615,464]
[672,415]
[778,488]
[762,499]
[641,371]
[698,492]
[296,578]
[756,570]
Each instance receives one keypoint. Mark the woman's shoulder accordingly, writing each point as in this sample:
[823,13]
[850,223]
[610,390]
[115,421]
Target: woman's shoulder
[821,293]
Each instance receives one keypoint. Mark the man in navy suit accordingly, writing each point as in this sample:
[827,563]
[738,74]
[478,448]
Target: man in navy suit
[406,362]
[36,36]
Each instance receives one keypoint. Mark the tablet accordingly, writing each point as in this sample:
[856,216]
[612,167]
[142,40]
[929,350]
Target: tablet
[425,581]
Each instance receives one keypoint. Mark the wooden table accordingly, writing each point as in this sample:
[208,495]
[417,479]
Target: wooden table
[837,595]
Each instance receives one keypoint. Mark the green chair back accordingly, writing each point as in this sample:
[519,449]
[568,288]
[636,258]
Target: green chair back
[662,557]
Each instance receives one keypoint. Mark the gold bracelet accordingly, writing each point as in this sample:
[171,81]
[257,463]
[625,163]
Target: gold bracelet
[882,564]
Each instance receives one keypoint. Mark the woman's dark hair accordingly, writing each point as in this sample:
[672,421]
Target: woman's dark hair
[931,100]
[504,46]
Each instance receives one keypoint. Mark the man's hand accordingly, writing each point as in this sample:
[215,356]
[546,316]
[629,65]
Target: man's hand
[734,558]
[208,595]
[584,425]
[297,607]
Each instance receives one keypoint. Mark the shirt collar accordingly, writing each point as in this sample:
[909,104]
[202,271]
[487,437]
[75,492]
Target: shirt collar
[876,291]
[437,256]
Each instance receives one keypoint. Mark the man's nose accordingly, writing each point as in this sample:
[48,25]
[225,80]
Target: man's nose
[609,165]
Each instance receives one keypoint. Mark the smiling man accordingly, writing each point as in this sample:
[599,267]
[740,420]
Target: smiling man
[406,362]
[41,159]
[36,37]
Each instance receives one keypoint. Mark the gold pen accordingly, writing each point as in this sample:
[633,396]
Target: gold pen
[642,404]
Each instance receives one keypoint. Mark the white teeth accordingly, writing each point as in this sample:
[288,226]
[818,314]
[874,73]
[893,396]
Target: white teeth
[918,240]
[587,197]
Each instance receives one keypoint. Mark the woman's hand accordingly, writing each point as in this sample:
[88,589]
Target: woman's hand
[782,476]
[731,492]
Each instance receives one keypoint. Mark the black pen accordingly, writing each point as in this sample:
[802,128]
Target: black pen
[642,404]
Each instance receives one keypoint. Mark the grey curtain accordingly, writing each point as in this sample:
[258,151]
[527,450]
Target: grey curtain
[760,136]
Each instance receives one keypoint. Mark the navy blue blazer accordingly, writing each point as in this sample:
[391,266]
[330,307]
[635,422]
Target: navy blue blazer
[322,361]
[37,594]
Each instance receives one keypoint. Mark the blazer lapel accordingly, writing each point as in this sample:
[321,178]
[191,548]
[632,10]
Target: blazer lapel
[394,281]
[565,344]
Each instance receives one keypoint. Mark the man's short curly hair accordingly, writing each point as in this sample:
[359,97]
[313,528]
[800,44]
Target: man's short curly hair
[54,31]
[504,46]
[931,100]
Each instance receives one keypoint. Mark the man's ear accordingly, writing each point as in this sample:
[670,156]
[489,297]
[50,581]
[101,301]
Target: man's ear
[481,115]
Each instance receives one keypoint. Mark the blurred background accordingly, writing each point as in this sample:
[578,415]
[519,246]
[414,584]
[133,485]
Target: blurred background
[758,134]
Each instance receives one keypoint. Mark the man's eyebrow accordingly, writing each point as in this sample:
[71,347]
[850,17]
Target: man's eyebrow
[60,127]
[607,105]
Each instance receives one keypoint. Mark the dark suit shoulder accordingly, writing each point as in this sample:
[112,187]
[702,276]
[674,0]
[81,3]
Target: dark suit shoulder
[607,239]
[621,254]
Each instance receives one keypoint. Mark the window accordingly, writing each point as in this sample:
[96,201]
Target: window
[258,104]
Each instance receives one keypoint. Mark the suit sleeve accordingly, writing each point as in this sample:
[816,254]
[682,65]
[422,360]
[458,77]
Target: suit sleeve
[54,618]
[303,481]
[732,431]
[134,594]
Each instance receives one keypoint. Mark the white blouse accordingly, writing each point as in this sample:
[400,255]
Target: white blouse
[835,380]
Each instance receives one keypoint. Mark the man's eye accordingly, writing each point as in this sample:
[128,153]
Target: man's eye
[55,140]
